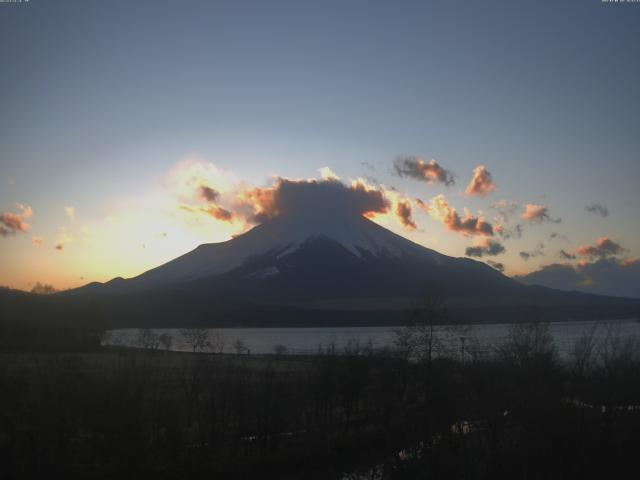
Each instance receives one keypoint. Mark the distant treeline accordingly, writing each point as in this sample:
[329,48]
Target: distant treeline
[181,308]
[518,414]
[31,322]
[66,320]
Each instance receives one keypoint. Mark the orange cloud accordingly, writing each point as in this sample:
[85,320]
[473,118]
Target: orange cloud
[440,209]
[537,213]
[219,213]
[604,247]
[11,223]
[482,182]
[214,211]
[418,169]
[404,212]
[313,197]
[262,203]
[202,188]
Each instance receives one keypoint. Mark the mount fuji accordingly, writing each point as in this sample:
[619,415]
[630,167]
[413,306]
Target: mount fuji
[321,267]
[295,257]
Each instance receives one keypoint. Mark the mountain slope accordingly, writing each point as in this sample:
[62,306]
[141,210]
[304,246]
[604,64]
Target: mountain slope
[293,257]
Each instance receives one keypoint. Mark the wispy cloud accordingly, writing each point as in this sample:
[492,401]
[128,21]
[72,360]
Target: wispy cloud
[505,206]
[597,209]
[538,213]
[71,213]
[418,169]
[536,252]
[503,224]
[368,166]
[487,247]
[556,235]
[63,239]
[566,255]
[507,232]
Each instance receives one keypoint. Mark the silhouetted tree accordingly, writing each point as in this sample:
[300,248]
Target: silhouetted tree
[196,338]
[148,339]
[420,340]
[239,346]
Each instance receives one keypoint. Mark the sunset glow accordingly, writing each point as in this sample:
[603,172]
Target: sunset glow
[141,171]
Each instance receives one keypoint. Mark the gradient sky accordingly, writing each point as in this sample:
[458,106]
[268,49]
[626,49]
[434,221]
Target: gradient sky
[102,102]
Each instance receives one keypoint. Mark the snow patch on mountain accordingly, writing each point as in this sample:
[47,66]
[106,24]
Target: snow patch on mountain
[264,273]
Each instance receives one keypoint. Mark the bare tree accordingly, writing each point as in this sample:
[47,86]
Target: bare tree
[148,339]
[583,352]
[458,337]
[420,340]
[196,338]
[404,341]
[239,346]
[528,341]
[216,342]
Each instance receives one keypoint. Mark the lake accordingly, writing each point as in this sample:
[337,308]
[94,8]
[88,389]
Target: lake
[469,338]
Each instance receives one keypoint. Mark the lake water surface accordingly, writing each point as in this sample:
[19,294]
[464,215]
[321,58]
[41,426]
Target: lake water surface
[471,338]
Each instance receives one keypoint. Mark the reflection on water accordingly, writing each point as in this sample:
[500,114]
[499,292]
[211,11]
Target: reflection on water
[462,340]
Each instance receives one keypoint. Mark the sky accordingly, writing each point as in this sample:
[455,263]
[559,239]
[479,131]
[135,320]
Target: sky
[113,115]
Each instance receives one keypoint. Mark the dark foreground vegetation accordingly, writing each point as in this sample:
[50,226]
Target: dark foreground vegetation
[517,413]
[30,322]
